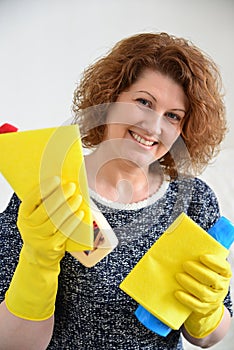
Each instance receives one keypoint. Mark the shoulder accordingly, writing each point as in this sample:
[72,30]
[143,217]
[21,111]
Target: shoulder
[197,199]
[194,185]
[192,190]
[195,188]
[204,195]
[201,187]
[204,206]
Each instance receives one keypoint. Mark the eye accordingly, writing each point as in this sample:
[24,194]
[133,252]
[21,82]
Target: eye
[144,102]
[174,118]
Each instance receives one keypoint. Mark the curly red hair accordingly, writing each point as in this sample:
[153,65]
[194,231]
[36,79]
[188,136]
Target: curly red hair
[204,125]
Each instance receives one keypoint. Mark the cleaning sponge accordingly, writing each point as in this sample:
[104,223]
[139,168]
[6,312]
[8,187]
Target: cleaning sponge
[152,281]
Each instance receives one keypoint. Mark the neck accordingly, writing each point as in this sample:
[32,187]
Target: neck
[119,180]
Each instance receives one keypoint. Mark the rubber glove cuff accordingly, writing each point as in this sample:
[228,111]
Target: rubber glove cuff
[28,302]
[201,326]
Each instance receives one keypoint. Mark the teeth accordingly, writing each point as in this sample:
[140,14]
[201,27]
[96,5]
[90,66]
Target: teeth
[141,140]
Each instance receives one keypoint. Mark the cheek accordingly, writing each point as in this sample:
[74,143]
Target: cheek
[126,114]
[115,132]
[170,136]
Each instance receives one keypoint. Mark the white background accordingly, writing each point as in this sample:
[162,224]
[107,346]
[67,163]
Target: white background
[46,44]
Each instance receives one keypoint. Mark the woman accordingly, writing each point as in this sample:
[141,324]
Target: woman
[151,112]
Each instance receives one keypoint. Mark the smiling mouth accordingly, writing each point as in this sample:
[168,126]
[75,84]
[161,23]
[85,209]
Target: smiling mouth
[142,140]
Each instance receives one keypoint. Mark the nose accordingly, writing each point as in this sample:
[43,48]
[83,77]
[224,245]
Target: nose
[158,124]
[153,124]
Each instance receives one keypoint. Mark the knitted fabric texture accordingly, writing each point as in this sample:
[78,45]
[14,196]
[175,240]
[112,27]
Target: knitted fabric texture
[92,313]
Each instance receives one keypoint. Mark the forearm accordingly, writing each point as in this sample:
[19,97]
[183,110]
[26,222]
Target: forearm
[20,334]
[213,338]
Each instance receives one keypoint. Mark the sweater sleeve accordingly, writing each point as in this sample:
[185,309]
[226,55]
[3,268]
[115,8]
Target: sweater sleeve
[10,244]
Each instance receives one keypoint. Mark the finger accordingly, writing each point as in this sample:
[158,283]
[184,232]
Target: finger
[193,303]
[31,201]
[60,196]
[194,287]
[50,226]
[51,204]
[204,274]
[71,224]
[218,264]
[66,210]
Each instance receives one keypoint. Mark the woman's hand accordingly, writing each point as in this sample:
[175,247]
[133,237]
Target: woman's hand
[205,284]
[46,223]
[46,219]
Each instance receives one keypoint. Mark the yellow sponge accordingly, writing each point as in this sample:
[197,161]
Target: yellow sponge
[28,157]
[152,281]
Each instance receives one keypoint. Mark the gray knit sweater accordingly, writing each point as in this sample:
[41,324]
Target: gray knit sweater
[92,313]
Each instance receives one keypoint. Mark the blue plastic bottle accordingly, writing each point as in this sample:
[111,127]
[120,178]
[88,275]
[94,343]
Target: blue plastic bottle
[216,231]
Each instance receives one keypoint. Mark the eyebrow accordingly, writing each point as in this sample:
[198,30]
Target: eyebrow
[178,109]
[148,93]
[154,98]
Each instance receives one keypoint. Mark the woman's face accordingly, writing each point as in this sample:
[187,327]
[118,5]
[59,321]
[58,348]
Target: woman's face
[146,119]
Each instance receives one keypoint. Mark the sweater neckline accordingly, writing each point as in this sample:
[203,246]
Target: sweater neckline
[131,206]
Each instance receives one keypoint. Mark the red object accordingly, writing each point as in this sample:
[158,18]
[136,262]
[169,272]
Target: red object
[5,128]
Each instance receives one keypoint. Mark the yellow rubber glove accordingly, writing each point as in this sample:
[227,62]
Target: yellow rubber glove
[205,285]
[41,221]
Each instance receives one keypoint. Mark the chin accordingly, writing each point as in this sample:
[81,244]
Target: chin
[138,160]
